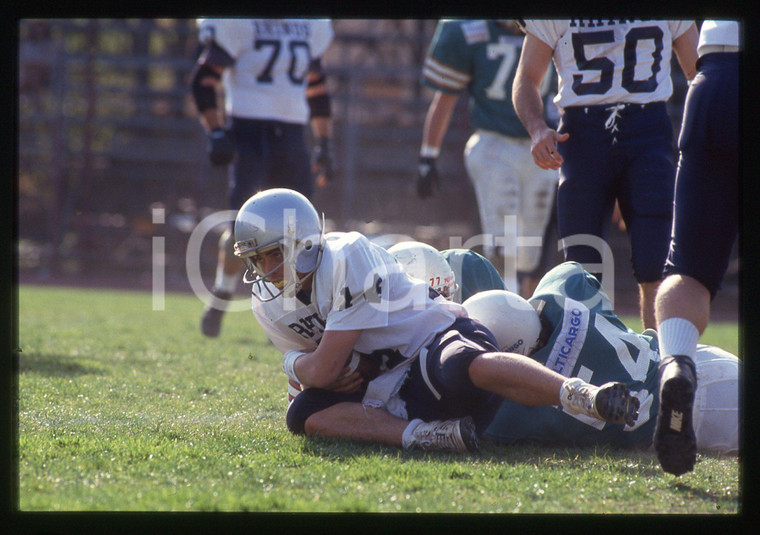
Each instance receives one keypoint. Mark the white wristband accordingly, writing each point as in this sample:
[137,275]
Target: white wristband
[429,152]
[289,363]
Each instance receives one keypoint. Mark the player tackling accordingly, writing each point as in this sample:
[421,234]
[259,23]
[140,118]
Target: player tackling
[320,297]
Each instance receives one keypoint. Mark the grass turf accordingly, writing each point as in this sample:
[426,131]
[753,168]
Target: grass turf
[123,408]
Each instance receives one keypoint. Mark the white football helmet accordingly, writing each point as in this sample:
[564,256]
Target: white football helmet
[422,261]
[285,219]
[511,319]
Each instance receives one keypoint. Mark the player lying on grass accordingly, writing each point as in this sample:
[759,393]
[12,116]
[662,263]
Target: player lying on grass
[577,334]
[321,297]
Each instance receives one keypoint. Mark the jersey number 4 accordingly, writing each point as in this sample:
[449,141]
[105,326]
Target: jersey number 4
[606,67]
[299,53]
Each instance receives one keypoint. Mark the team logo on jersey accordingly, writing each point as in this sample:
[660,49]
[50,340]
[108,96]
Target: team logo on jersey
[570,340]
[475,32]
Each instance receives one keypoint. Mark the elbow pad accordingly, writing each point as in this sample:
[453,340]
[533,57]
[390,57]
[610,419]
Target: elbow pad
[203,95]
[319,105]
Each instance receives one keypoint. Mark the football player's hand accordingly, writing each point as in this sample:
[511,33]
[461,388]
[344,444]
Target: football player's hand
[543,148]
[346,382]
[427,178]
[322,162]
[221,151]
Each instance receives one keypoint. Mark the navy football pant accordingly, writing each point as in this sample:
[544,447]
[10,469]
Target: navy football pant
[442,391]
[706,213]
[634,161]
[270,154]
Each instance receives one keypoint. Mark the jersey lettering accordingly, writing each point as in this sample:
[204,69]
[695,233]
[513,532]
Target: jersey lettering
[619,340]
[300,54]
[606,67]
[569,343]
[508,53]
[308,326]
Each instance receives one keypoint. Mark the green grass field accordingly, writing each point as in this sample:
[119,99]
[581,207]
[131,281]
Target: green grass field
[122,408]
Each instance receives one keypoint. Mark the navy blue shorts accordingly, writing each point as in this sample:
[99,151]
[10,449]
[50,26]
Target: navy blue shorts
[270,154]
[444,390]
[706,215]
[633,161]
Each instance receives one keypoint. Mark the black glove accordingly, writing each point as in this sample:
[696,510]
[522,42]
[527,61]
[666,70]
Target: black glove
[322,161]
[221,151]
[427,178]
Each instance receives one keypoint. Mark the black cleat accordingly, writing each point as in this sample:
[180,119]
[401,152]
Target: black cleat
[211,322]
[674,439]
[616,405]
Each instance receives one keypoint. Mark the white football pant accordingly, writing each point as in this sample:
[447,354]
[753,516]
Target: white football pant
[514,197]
[716,401]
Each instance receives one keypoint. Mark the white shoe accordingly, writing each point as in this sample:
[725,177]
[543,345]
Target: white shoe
[448,435]
[611,402]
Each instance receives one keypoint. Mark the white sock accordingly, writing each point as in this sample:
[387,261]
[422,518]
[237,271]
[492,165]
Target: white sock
[407,439]
[678,336]
[225,282]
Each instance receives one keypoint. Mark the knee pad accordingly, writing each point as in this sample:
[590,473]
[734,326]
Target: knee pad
[304,405]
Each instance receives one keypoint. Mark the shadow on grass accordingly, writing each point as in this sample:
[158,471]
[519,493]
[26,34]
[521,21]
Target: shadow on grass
[53,365]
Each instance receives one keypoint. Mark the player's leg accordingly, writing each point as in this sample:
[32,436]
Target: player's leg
[585,196]
[716,401]
[246,177]
[317,412]
[291,167]
[467,375]
[704,228]
[537,201]
[491,169]
[645,197]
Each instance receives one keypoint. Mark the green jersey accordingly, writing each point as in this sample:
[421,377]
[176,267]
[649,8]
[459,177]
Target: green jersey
[481,56]
[585,339]
[473,273]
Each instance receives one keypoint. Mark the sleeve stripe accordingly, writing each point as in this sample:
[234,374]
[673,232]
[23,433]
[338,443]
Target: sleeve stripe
[439,69]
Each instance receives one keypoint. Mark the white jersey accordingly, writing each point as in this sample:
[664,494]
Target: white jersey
[610,61]
[718,33]
[272,57]
[359,285]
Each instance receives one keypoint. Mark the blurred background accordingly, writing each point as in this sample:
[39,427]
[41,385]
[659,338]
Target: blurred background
[107,132]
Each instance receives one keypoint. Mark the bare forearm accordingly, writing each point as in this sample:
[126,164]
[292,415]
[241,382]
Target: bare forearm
[321,127]
[211,118]
[438,118]
[529,108]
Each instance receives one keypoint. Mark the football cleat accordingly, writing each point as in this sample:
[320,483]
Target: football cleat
[674,439]
[457,435]
[211,321]
[611,402]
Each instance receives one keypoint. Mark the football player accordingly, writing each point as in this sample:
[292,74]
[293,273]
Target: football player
[700,247]
[615,139]
[576,333]
[569,327]
[480,57]
[320,297]
[271,74]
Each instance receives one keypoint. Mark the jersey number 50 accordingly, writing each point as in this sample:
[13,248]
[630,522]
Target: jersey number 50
[606,67]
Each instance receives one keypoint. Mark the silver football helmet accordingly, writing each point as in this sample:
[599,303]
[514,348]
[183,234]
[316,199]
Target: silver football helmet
[283,221]
[422,261]
[511,319]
